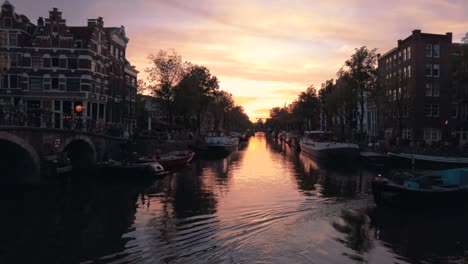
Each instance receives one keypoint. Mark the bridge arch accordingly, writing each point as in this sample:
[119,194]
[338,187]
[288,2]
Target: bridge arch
[19,161]
[81,151]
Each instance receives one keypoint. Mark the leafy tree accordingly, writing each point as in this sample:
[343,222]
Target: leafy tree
[196,91]
[141,86]
[307,108]
[164,75]
[362,77]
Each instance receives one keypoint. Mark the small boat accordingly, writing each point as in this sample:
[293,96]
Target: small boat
[427,161]
[175,158]
[316,143]
[134,168]
[444,188]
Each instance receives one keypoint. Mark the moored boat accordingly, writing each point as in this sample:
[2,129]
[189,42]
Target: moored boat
[316,143]
[219,145]
[136,169]
[443,188]
[427,161]
[175,158]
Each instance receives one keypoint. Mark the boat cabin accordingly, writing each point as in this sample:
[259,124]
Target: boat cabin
[317,136]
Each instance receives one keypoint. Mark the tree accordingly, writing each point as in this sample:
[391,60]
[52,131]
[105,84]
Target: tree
[307,107]
[141,86]
[362,73]
[166,73]
[196,91]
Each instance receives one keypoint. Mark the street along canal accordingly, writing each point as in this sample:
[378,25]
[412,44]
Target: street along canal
[264,203]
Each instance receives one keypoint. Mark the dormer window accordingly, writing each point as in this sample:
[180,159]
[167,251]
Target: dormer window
[7,22]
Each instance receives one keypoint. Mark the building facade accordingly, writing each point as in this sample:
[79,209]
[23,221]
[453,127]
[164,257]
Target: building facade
[59,76]
[415,78]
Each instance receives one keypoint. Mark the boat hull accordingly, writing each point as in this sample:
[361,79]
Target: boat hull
[425,162]
[132,170]
[175,160]
[342,154]
[387,194]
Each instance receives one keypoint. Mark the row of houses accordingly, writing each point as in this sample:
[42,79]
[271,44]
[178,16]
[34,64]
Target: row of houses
[58,76]
[423,88]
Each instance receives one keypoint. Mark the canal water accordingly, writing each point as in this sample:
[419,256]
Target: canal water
[265,203]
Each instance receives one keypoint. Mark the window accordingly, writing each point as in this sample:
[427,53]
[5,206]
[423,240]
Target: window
[428,69]
[436,50]
[46,63]
[409,53]
[9,82]
[13,39]
[7,22]
[407,133]
[36,84]
[55,83]
[404,55]
[4,81]
[435,70]
[62,84]
[55,62]
[72,63]
[25,83]
[63,63]
[427,110]
[428,50]
[3,38]
[454,110]
[54,28]
[27,62]
[79,44]
[47,85]
[73,84]
[409,71]
[57,106]
[435,110]
[428,89]
[13,59]
[431,134]
[435,89]
[36,63]
[14,82]
[399,57]
[404,73]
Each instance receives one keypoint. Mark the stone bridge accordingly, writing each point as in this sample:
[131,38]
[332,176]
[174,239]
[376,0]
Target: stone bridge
[26,151]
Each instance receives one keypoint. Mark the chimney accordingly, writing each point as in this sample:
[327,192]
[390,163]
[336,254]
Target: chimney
[40,22]
[100,21]
[92,22]
[449,35]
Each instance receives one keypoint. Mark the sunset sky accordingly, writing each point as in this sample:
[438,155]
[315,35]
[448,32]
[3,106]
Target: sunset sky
[263,52]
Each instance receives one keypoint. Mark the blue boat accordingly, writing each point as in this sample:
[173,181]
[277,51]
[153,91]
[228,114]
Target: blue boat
[443,188]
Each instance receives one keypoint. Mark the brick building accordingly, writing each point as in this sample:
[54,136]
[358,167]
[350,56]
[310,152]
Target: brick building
[61,76]
[416,80]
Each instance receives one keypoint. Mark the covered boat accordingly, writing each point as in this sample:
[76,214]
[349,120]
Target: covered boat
[444,188]
[427,161]
[218,145]
[317,144]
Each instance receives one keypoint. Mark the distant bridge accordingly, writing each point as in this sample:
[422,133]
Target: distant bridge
[24,151]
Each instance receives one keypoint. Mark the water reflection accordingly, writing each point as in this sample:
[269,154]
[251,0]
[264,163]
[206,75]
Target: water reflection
[266,203]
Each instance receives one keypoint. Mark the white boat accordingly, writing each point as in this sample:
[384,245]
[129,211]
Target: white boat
[219,144]
[317,144]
